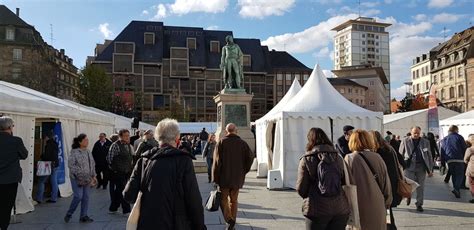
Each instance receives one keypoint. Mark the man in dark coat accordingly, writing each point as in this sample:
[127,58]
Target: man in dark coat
[342,145]
[178,205]
[453,148]
[99,152]
[12,151]
[203,136]
[232,161]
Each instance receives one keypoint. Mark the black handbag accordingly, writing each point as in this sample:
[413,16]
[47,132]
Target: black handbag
[213,201]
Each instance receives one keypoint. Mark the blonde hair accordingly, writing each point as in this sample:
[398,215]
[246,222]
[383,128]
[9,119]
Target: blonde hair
[166,131]
[360,140]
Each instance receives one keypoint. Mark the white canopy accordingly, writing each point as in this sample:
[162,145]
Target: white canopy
[401,123]
[465,122]
[264,132]
[26,106]
[317,104]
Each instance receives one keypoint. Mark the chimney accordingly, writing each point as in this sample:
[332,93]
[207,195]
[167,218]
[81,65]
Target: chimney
[62,51]
[18,12]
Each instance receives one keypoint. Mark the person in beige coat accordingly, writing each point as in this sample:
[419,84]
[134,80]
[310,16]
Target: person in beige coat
[369,174]
[469,159]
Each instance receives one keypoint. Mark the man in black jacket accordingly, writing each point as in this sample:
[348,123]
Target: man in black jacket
[50,153]
[203,136]
[342,145]
[178,205]
[99,152]
[12,151]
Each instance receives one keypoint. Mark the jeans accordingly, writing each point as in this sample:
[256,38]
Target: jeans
[118,182]
[53,179]
[419,175]
[209,162]
[229,204]
[327,222]
[457,172]
[81,195]
[7,201]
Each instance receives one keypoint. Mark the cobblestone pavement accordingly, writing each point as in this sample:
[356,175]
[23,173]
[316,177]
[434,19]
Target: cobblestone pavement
[260,208]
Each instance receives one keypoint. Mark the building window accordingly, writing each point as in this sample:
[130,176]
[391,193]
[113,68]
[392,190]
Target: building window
[297,76]
[357,101]
[460,72]
[305,77]
[451,92]
[247,60]
[357,91]
[215,47]
[417,88]
[191,43]
[377,43]
[461,91]
[10,35]
[16,72]
[376,36]
[123,63]
[363,42]
[149,38]
[435,80]
[427,85]
[372,83]
[371,103]
[288,77]
[279,77]
[17,54]
[363,35]
[179,62]
[363,49]
[341,91]
[413,75]
[441,77]
[451,74]
[349,90]
[442,94]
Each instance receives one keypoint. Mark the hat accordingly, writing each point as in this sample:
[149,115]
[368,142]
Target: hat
[347,128]
[149,132]
[389,133]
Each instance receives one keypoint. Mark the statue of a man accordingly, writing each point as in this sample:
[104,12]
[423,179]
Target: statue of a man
[232,64]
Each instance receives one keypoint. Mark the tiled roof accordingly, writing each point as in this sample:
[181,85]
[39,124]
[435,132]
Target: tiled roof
[7,17]
[343,81]
[282,59]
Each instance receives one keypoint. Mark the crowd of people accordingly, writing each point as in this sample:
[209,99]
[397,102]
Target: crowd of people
[155,168]
[374,165]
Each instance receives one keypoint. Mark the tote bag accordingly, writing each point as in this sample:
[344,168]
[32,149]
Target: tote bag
[213,201]
[132,222]
[351,193]
[43,168]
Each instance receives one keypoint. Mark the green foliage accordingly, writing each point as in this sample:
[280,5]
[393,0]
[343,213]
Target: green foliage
[96,88]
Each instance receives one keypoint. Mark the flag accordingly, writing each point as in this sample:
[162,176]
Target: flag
[433,121]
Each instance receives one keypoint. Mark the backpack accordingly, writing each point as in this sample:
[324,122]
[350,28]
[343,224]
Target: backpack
[329,175]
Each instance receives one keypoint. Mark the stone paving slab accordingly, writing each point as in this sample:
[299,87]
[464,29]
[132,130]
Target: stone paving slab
[260,208]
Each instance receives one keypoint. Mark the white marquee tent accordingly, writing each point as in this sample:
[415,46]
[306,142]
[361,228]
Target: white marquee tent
[264,131]
[401,123]
[318,104]
[465,122]
[27,107]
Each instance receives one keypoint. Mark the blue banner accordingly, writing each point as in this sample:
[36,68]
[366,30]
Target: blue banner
[58,137]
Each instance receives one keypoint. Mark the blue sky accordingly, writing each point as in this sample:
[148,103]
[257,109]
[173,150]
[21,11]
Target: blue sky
[301,27]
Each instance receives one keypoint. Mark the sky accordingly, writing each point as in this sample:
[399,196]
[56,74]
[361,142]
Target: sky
[300,27]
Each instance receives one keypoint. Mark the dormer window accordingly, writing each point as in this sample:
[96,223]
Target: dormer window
[191,43]
[10,35]
[149,38]
[247,60]
[215,47]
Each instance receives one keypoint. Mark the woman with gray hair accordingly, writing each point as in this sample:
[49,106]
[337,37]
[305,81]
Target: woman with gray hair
[13,150]
[178,205]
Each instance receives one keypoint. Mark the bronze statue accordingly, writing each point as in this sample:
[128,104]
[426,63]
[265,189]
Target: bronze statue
[232,64]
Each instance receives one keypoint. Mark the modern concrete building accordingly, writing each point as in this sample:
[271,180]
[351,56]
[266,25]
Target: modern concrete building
[420,75]
[27,60]
[158,70]
[364,41]
[451,65]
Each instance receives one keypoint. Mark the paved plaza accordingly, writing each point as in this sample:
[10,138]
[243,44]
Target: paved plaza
[260,208]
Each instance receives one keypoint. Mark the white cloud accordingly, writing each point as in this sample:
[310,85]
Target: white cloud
[388,1]
[348,10]
[370,4]
[324,53]
[328,73]
[263,8]
[161,12]
[145,12]
[104,29]
[400,29]
[420,17]
[329,1]
[439,3]
[318,36]
[398,93]
[181,7]
[213,27]
[446,18]
[445,31]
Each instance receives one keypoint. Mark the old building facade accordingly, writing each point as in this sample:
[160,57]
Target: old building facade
[158,69]
[420,75]
[27,60]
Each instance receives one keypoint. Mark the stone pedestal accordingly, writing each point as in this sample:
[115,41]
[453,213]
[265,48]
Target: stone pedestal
[233,106]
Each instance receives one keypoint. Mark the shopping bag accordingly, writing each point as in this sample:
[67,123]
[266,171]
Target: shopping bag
[213,201]
[413,184]
[132,222]
[351,193]
[43,168]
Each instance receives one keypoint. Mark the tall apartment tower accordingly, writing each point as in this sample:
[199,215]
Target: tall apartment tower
[363,42]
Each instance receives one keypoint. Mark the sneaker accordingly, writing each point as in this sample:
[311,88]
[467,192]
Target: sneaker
[86,219]
[67,218]
[456,193]
[113,212]
[419,208]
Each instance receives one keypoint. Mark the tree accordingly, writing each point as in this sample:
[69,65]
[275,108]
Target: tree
[96,88]
[412,103]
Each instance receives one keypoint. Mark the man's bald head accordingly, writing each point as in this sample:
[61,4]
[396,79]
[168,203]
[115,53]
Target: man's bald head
[231,128]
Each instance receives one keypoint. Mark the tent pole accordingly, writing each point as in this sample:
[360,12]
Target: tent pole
[331,122]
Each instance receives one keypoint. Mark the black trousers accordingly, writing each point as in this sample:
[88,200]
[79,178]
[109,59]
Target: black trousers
[102,176]
[7,201]
[118,182]
[327,222]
